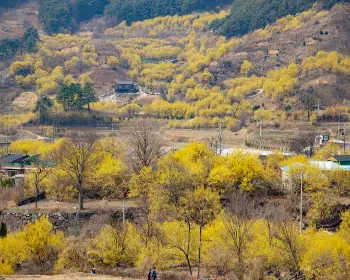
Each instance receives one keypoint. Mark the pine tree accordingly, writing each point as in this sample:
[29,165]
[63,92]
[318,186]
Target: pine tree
[3,230]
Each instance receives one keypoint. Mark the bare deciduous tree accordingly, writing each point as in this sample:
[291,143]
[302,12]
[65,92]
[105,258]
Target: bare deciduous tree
[78,157]
[303,144]
[39,173]
[287,234]
[146,143]
[284,236]
[238,228]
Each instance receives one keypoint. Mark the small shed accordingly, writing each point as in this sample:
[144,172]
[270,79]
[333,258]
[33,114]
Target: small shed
[321,139]
[127,87]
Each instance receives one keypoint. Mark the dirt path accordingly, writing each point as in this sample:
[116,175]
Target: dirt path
[76,276]
[7,33]
[260,92]
[37,137]
[48,205]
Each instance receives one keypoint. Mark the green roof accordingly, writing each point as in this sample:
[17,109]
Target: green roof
[31,160]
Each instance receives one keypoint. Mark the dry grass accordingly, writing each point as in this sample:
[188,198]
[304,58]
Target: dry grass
[25,100]
[75,276]
[183,136]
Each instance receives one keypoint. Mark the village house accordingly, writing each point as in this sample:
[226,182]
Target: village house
[322,139]
[342,160]
[16,166]
[322,165]
[127,87]
[12,165]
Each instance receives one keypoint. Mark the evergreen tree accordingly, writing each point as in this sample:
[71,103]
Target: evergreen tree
[88,95]
[30,39]
[3,230]
[74,97]
[66,96]
[28,42]
[54,15]
[43,105]
[139,10]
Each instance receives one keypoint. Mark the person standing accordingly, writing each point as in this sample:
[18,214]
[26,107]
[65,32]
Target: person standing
[149,277]
[154,273]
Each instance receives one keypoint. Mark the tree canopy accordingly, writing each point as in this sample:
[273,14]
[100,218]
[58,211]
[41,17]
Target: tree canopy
[59,15]
[28,42]
[74,97]
[139,10]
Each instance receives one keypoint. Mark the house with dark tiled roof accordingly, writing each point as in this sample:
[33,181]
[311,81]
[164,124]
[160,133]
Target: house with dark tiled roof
[8,167]
[127,87]
[15,166]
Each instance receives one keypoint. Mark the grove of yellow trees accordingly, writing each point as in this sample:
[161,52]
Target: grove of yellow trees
[57,58]
[197,211]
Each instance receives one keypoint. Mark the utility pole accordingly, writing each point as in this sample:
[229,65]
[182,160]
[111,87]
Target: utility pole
[260,134]
[53,131]
[220,140]
[338,132]
[7,132]
[53,125]
[7,146]
[40,104]
[344,139]
[301,203]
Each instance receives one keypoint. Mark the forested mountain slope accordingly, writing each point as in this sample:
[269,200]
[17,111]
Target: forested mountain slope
[201,78]
[249,15]
[58,16]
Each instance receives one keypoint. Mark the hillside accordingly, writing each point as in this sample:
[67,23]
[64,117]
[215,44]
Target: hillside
[204,79]
[293,40]
[15,20]
[249,15]
[183,138]
[59,17]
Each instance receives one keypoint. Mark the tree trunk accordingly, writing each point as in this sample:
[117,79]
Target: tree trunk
[199,252]
[81,205]
[188,248]
[123,210]
[241,269]
[189,264]
[36,198]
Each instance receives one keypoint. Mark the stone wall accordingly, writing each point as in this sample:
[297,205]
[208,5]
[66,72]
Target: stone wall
[71,223]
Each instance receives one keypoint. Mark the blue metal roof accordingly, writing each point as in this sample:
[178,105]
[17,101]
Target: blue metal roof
[11,158]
